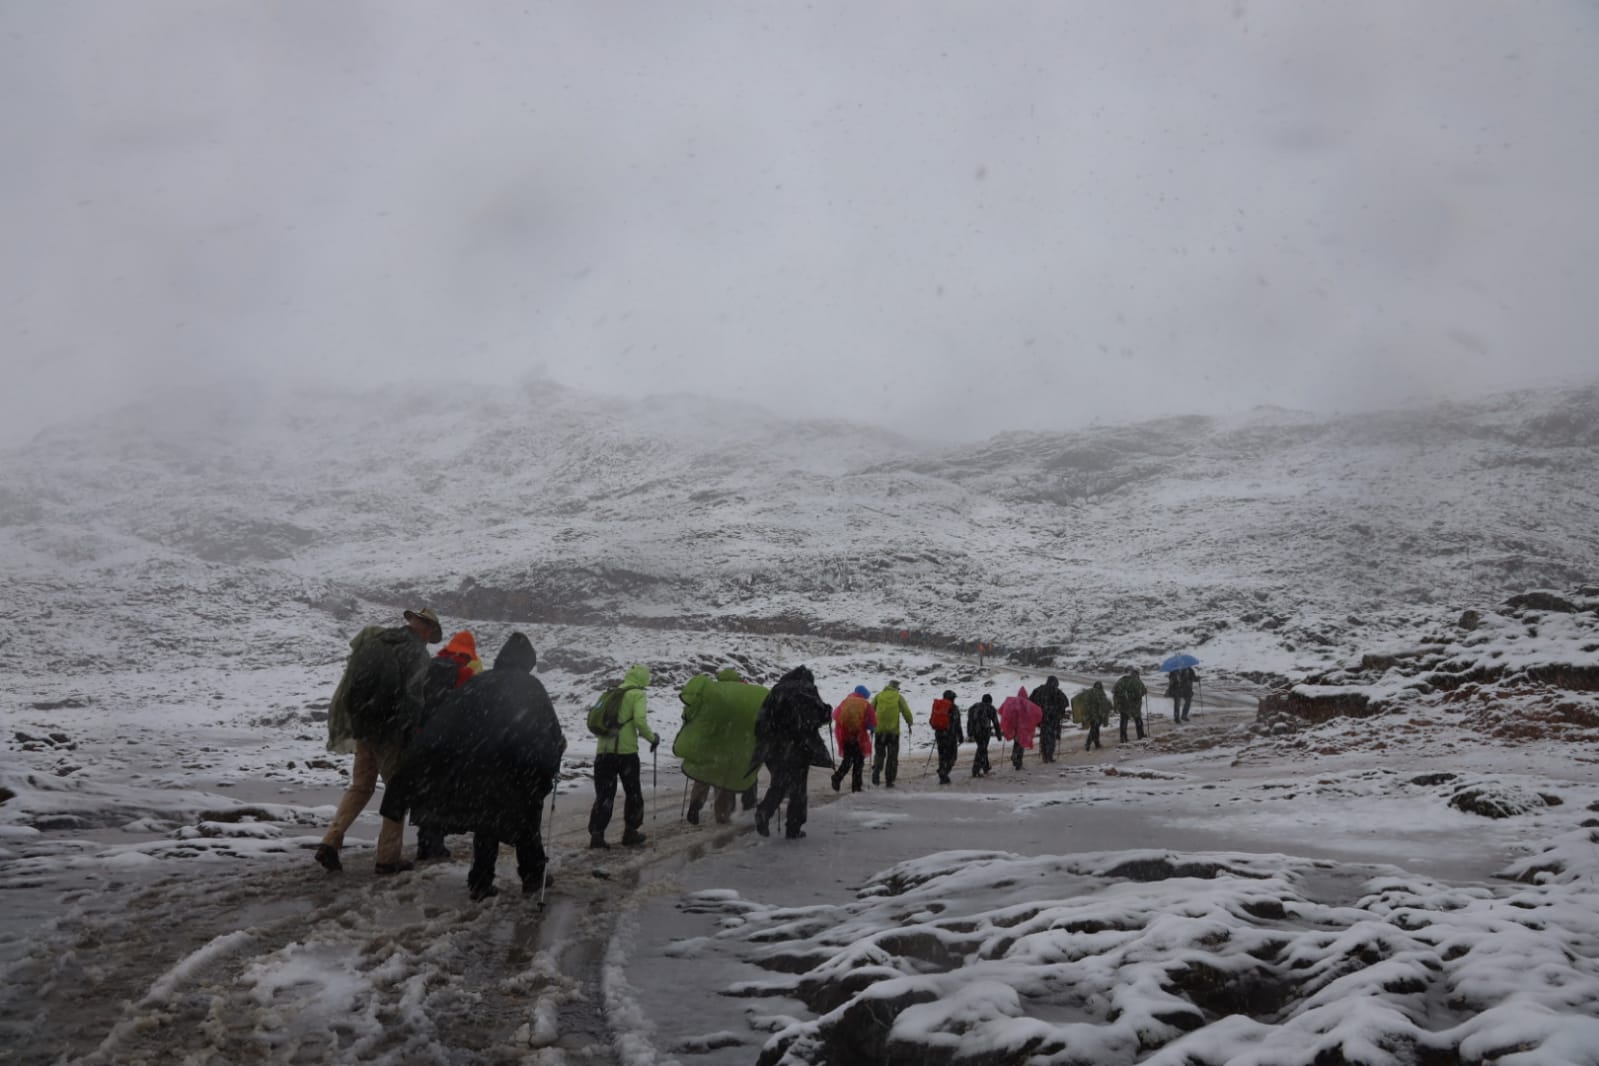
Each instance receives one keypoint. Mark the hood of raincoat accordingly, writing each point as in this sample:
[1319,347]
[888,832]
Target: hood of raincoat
[637,676]
[518,654]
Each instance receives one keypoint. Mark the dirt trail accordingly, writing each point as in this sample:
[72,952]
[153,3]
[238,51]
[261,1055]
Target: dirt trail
[274,961]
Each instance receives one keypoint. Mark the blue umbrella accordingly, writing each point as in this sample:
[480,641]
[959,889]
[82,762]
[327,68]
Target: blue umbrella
[1178,662]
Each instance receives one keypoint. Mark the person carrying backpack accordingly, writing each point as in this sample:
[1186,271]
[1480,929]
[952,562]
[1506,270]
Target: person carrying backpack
[945,721]
[1054,705]
[717,739]
[378,703]
[1128,695]
[485,764]
[455,664]
[1096,713]
[853,722]
[617,721]
[982,723]
[1019,717]
[890,707]
[788,742]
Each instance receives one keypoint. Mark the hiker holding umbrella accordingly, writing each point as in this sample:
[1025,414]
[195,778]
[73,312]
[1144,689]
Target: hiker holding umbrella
[1180,679]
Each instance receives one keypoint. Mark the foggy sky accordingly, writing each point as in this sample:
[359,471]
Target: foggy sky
[945,218]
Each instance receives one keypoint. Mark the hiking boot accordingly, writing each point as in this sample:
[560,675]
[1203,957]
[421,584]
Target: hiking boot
[386,868]
[794,834]
[836,783]
[483,892]
[632,839]
[598,842]
[327,857]
[693,816]
[763,823]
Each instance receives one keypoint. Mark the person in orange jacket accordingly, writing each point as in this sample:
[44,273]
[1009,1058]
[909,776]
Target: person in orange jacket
[854,720]
[455,664]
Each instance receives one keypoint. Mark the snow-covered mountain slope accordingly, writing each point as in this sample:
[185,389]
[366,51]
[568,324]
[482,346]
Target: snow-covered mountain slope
[1262,543]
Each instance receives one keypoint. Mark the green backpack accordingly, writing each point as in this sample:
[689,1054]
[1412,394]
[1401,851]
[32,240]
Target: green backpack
[605,717]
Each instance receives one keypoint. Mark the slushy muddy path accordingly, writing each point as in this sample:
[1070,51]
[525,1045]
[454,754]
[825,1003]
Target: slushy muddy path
[276,961]
[215,953]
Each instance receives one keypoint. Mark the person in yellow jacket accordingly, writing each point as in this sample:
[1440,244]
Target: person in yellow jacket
[890,707]
[616,758]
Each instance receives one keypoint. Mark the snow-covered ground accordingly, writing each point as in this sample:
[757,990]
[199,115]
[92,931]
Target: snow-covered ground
[1321,883]
[1178,900]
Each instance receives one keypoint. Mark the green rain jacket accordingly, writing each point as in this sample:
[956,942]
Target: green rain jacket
[1091,706]
[1129,696]
[634,721]
[891,707]
[717,741]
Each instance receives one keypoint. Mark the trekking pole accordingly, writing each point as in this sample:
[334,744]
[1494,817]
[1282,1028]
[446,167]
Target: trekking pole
[544,878]
[682,810]
[655,781]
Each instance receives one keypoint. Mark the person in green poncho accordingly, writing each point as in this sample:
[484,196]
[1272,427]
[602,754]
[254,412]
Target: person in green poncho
[717,740]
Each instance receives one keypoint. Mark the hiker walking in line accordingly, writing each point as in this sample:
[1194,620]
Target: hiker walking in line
[1128,695]
[1180,690]
[453,666]
[377,704]
[717,740]
[485,764]
[1019,718]
[945,722]
[617,722]
[890,707]
[787,741]
[853,722]
[982,722]
[1054,705]
[1096,713]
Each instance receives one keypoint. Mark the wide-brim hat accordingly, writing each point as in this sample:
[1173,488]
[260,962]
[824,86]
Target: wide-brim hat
[426,614]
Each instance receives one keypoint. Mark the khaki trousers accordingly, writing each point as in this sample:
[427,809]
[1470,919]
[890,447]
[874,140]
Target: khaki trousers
[372,761]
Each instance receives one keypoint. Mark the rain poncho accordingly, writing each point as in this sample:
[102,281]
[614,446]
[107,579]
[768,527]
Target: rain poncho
[1019,718]
[486,761]
[717,739]
[861,706]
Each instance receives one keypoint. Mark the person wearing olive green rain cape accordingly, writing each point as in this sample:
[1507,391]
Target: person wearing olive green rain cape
[717,740]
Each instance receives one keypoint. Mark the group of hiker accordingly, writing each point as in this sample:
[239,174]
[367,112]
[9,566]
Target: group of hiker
[463,749]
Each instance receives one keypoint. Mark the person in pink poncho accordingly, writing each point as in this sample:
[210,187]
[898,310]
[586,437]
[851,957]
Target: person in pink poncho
[1018,722]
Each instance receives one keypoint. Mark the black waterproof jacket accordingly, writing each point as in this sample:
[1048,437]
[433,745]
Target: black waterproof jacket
[982,722]
[786,728]
[488,758]
[1053,702]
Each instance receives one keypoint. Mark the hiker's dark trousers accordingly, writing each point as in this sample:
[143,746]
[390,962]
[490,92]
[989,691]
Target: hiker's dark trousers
[851,762]
[530,861]
[1179,707]
[607,769]
[948,750]
[1047,736]
[788,783]
[885,760]
[1016,754]
[1136,720]
[1093,738]
[980,764]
